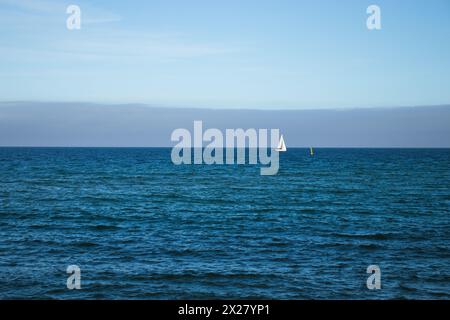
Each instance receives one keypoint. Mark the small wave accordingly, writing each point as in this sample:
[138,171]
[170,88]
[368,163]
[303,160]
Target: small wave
[85,244]
[369,246]
[369,236]
[104,227]
[407,288]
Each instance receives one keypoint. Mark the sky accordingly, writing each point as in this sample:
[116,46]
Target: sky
[227,53]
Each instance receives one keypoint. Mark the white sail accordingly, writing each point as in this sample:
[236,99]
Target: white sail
[281,145]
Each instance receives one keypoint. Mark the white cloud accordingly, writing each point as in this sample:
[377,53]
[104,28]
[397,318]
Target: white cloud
[44,20]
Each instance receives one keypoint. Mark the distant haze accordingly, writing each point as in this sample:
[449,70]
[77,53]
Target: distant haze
[95,125]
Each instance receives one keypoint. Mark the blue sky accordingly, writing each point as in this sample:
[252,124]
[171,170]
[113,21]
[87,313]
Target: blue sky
[231,54]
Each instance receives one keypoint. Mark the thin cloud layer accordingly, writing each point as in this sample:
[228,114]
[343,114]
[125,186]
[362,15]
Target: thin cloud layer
[85,124]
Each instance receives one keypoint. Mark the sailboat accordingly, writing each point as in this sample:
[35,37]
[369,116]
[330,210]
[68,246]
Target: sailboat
[281,145]
[311,151]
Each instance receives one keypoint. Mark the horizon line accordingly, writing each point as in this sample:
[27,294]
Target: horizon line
[168,147]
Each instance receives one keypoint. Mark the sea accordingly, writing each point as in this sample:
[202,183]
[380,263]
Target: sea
[139,227]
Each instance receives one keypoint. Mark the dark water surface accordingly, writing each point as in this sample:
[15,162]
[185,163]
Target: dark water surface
[140,227]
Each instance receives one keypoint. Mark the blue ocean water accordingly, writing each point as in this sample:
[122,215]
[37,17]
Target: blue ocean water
[140,227]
